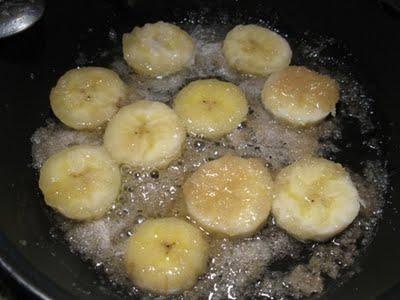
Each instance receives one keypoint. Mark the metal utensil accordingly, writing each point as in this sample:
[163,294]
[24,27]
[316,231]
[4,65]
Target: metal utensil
[18,15]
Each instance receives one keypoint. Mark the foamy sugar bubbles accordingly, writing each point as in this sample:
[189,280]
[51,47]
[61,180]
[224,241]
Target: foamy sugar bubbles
[270,264]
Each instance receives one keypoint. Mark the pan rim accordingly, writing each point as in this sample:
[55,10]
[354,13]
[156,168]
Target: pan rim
[19,268]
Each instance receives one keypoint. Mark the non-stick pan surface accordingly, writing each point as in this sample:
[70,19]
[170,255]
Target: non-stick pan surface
[31,62]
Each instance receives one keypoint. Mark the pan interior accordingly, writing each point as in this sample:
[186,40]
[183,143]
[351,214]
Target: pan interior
[270,263]
[35,251]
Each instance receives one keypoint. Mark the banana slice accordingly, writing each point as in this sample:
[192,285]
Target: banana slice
[81,182]
[145,134]
[315,199]
[166,255]
[300,96]
[88,97]
[211,108]
[157,49]
[230,195]
[256,50]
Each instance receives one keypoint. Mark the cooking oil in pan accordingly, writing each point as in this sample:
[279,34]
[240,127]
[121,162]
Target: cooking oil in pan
[270,264]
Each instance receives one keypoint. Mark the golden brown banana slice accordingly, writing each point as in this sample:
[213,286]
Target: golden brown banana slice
[231,195]
[300,96]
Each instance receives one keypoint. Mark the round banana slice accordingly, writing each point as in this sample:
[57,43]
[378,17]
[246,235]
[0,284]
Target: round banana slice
[81,182]
[230,195]
[166,255]
[256,50]
[145,134]
[211,108]
[157,49]
[315,199]
[300,96]
[86,98]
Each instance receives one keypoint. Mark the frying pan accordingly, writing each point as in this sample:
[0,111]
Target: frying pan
[31,62]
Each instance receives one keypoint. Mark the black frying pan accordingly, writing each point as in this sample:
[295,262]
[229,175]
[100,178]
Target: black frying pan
[31,62]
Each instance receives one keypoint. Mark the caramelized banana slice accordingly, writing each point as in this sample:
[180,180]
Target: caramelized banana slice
[231,195]
[300,96]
